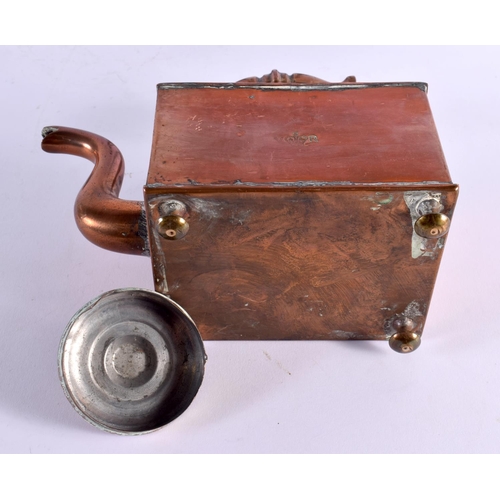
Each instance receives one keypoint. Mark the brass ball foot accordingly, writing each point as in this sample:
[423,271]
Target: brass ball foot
[405,342]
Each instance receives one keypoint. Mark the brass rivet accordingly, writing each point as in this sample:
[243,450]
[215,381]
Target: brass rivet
[172,227]
[405,342]
[432,225]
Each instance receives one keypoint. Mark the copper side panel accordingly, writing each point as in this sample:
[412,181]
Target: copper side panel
[242,136]
[298,264]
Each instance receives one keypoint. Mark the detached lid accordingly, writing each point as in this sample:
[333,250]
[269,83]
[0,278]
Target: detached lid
[281,130]
[131,361]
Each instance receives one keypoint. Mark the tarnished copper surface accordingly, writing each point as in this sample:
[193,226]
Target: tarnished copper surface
[315,210]
[102,217]
[242,136]
[299,263]
[277,208]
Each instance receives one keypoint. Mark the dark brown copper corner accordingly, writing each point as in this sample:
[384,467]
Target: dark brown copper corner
[277,78]
[102,217]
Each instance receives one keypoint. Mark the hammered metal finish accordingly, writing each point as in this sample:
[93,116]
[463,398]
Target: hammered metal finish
[131,361]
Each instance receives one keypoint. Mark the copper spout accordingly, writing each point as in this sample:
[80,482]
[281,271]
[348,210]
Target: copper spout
[102,217]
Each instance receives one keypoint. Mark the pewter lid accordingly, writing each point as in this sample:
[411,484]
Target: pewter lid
[131,361]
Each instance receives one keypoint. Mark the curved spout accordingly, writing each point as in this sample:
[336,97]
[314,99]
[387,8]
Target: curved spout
[102,217]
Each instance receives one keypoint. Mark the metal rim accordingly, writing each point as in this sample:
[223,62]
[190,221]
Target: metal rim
[135,375]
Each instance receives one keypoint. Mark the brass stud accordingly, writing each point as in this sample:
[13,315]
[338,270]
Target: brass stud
[406,339]
[432,225]
[172,227]
[405,342]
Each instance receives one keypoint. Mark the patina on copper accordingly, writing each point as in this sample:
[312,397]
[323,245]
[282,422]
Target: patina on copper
[315,210]
[102,217]
[277,208]
[302,198]
[277,136]
[295,264]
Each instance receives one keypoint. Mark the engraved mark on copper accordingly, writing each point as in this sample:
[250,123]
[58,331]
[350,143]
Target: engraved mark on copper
[296,138]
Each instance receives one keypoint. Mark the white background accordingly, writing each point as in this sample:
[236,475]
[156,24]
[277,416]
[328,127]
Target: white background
[257,397]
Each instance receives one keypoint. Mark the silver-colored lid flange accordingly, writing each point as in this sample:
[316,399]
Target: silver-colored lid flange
[131,361]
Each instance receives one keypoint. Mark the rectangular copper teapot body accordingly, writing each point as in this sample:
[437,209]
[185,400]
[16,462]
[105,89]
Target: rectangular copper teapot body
[304,204]
[276,208]
[285,207]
